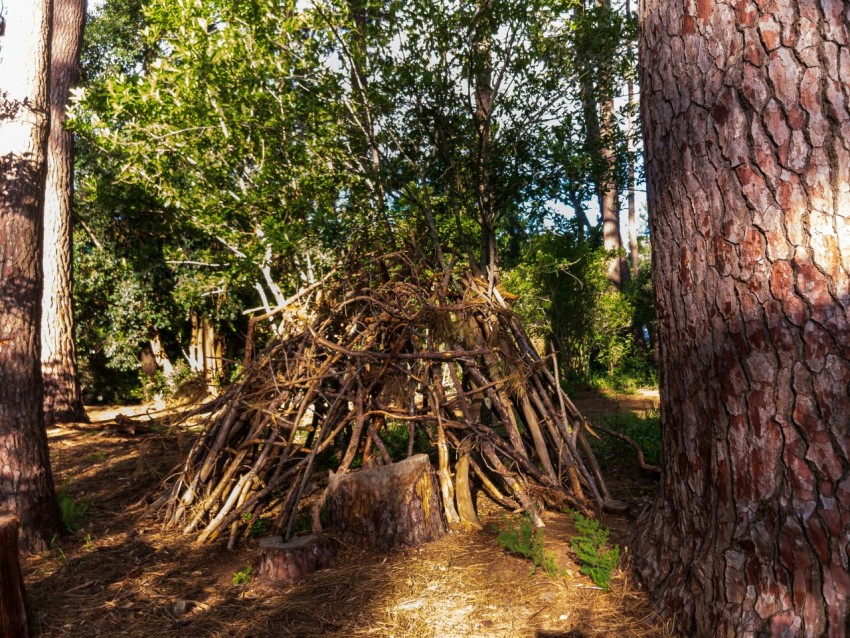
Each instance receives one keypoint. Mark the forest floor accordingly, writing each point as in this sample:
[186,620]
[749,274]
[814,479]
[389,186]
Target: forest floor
[121,574]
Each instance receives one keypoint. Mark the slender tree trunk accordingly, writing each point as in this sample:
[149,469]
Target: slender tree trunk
[26,483]
[359,11]
[634,253]
[483,68]
[618,273]
[585,228]
[62,398]
[600,131]
[592,131]
[747,142]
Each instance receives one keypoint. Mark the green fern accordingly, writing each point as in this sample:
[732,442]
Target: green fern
[521,537]
[590,546]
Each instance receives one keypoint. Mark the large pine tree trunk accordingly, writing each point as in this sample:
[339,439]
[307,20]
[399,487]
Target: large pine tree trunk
[26,483]
[62,399]
[747,135]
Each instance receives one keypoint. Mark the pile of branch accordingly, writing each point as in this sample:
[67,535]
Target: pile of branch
[390,350]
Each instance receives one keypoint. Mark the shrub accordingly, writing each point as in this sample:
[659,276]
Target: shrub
[644,429]
[564,297]
[521,537]
[595,559]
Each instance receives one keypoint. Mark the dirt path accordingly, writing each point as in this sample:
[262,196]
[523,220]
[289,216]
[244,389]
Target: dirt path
[591,404]
[120,574]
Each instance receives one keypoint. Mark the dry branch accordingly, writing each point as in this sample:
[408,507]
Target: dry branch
[389,356]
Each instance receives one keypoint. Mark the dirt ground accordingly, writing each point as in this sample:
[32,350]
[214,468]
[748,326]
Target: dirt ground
[592,404]
[121,574]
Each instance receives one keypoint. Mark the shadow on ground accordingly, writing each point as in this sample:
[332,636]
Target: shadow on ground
[122,574]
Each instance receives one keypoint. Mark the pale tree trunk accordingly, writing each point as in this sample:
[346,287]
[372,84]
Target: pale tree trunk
[62,399]
[747,143]
[205,351]
[26,482]
[160,357]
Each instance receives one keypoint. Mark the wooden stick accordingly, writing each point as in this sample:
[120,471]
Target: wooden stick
[529,506]
[463,494]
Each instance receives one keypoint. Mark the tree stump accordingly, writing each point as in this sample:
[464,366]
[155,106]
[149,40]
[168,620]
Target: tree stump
[396,504]
[282,564]
[13,598]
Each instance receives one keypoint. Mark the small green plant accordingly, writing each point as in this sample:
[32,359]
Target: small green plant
[644,428]
[70,510]
[56,548]
[260,527]
[595,559]
[242,577]
[521,537]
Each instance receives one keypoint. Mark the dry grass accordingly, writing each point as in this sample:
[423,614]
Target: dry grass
[122,575]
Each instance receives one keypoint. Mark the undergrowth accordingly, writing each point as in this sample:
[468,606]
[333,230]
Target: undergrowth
[242,577]
[643,428]
[591,547]
[521,537]
[70,510]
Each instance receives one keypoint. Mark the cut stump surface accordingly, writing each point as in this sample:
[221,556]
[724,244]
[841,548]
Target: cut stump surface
[280,564]
[395,504]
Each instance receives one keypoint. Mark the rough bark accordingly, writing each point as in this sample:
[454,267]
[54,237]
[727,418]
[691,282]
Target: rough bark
[747,139]
[281,564]
[396,504]
[26,483]
[62,398]
[618,272]
[13,596]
